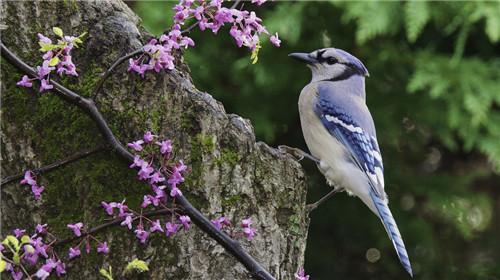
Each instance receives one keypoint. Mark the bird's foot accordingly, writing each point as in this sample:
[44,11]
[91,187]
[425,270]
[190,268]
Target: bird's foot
[297,153]
[312,206]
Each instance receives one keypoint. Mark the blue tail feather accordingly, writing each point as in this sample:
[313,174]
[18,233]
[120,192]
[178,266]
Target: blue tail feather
[392,230]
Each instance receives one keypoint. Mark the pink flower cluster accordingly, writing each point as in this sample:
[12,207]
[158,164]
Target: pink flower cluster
[56,57]
[29,179]
[36,254]
[247,230]
[144,226]
[153,176]
[246,29]
[73,252]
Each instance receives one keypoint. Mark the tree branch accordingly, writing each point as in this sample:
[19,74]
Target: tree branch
[88,106]
[52,166]
[110,70]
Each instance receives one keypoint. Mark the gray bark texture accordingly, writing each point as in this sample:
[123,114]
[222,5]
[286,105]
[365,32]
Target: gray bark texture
[229,174]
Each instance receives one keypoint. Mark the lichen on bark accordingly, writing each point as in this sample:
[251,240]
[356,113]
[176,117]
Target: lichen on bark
[230,174]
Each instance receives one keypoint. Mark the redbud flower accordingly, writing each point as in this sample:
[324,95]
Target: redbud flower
[76,228]
[138,162]
[300,275]
[28,178]
[165,146]
[175,192]
[16,275]
[108,207]
[136,145]
[42,274]
[127,222]
[103,248]
[249,232]
[25,82]
[37,191]
[185,221]
[45,85]
[19,232]
[156,226]
[142,235]
[41,228]
[74,252]
[275,40]
[148,137]
[44,39]
[246,222]
[171,229]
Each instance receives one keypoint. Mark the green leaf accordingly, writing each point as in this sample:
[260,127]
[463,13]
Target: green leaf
[16,258]
[106,274]
[47,47]
[137,265]
[58,31]
[416,16]
[12,242]
[53,61]
[25,239]
[255,53]
[3,265]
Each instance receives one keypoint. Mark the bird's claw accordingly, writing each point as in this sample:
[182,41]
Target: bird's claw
[296,153]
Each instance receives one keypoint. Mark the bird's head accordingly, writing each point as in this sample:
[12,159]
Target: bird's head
[332,64]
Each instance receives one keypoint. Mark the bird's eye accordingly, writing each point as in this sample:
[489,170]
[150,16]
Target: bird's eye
[331,60]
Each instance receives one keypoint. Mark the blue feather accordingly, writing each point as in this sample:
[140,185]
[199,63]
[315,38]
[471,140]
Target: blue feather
[392,230]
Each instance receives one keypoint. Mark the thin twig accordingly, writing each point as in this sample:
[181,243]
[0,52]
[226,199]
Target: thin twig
[88,106]
[52,166]
[235,4]
[110,70]
[114,222]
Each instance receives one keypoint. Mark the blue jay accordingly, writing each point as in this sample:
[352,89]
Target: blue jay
[340,134]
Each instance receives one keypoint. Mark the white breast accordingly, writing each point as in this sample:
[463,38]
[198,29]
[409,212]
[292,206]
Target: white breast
[335,166]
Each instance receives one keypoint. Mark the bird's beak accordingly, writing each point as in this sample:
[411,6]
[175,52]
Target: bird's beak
[304,57]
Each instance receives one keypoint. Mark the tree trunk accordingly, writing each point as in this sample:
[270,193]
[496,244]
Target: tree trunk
[229,173]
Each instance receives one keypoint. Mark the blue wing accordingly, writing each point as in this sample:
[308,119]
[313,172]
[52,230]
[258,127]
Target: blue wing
[357,135]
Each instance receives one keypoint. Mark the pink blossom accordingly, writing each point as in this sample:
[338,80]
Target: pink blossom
[246,222]
[45,85]
[19,232]
[127,222]
[300,275]
[148,137]
[37,191]
[275,40]
[25,82]
[74,252]
[103,248]
[28,178]
[40,229]
[185,221]
[171,229]
[136,145]
[156,226]
[249,232]
[76,228]
[141,234]
[108,207]
[165,146]
[175,192]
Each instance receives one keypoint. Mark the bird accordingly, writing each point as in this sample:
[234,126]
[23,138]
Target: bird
[340,133]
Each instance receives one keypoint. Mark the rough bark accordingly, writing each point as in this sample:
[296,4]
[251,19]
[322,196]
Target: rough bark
[230,174]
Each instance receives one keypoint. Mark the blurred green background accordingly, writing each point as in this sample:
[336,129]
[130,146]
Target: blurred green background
[434,92]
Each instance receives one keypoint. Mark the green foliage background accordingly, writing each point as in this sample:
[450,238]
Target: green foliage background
[434,92]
